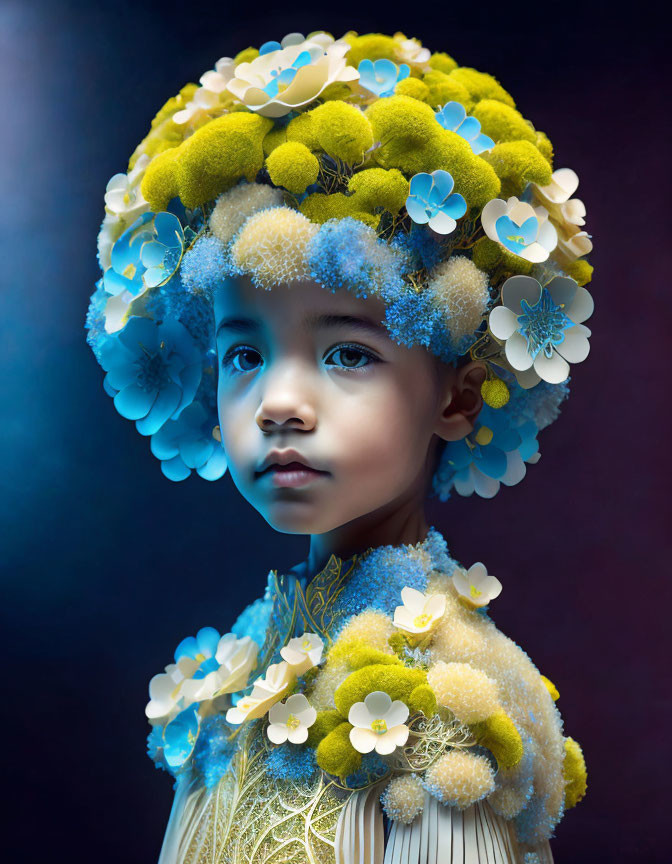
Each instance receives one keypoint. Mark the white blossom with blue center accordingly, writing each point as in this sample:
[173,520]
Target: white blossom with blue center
[520,228]
[542,328]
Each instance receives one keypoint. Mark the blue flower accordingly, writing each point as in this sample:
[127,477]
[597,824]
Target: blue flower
[432,200]
[187,443]
[146,255]
[153,371]
[179,737]
[495,452]
[381,76]
[453,117]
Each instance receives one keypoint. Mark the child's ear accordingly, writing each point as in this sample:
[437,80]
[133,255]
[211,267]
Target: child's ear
[461,401]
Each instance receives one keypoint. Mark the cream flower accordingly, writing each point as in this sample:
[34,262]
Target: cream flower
[303,652]
[378,724]
[267,690]
[206,668]
[542,328]
[420,612]
[520,228]
[165,691]
[475,586]
[213,83]
[411,51]
[291,720]
[123,197]
[567,213]
[281,80]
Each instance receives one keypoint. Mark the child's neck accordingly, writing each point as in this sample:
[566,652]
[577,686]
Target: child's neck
[393,525]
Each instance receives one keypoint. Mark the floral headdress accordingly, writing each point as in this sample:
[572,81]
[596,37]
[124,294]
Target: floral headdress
[366,163]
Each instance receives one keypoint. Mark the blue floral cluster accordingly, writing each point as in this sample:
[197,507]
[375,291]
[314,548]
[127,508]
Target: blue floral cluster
[213,750]
[289,762]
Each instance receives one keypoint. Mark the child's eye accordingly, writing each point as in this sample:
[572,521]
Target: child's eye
[349,357]
[242,358]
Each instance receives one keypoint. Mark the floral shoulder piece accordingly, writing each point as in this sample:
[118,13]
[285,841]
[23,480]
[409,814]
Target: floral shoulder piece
[427,703]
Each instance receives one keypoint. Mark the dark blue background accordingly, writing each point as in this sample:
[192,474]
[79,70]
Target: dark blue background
[106,564]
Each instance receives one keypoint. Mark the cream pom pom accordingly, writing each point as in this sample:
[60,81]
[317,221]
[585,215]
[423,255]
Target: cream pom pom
[271,246]
[234,207]
[461,289]
[508,801]
[460,778]
[373,627]
[403,799]
[466,691]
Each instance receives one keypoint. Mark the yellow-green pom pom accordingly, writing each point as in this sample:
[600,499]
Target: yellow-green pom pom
[336,755]
[337,90]
[499,734]
[444,88]
[576,776]
[413,87]
[495,393]
[518,163]
[398,643]
[342,131]
[486,254]
[273,139]
[163,133]
[376,187]
[552,689]
[247,55]
[397,681]
[442,62]
[210,161]
[320,207]
[503,123]
[372,46]
[580,271]
[545,147]
[366,656]
[414,142]
[293,166]
[480,85]
[325,722]
[303,129]
[422,698]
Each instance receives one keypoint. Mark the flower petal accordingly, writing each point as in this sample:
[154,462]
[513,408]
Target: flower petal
[519,288]
[133,402]
[581,307]
[553,369]
[378,703]
[278,733]
[516,352]
[503,322]
[363,740]
[397,714]
[575,347]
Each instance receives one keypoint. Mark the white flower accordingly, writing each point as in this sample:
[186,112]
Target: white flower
[280,80]
[542,327]
[165,691]
[303,652]
[567,213]
[420,613]
[520,228]
[267,690]
[411,51]
[206,668]
[378,724]
[213,83]
[290,720]
[475,586]
[123,197]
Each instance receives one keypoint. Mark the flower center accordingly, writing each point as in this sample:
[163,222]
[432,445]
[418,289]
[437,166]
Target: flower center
[305,645]
[293,722]
[379,727]
[422,620]
[473,590]
[484,436]
[153,374]
[129,271]
[543,324]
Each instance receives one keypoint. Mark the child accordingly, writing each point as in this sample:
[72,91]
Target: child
[346,271]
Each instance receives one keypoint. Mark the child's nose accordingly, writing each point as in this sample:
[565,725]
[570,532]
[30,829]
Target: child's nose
[287,401]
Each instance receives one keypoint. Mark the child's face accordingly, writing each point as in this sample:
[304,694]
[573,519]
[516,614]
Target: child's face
[312,377]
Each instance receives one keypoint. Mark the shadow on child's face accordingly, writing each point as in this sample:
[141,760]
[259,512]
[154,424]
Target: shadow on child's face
[311,377]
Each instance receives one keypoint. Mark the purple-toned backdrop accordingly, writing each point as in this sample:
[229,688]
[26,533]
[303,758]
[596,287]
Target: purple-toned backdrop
[106,565]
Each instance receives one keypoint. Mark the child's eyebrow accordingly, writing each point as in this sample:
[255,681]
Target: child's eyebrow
[367,325]
[238,325]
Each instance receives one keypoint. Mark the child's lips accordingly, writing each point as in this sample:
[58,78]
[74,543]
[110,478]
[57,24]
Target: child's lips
[292,475]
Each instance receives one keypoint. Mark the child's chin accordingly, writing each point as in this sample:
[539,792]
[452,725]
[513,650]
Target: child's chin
[292,519]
